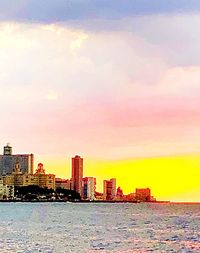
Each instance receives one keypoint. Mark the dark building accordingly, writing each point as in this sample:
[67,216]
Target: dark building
[109,189]
[8,161]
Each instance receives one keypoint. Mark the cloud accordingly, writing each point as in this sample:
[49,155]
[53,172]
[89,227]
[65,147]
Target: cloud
[125,89]
[181,82]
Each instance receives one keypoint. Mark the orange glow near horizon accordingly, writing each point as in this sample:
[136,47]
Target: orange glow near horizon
[173,178]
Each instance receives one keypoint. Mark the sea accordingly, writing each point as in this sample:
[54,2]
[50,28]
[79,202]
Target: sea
[99,227]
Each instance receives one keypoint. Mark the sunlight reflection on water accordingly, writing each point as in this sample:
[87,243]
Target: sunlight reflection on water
[68,227]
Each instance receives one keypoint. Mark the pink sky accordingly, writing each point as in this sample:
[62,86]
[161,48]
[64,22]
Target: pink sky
[113,94]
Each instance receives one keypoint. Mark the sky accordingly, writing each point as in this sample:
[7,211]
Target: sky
[117,82]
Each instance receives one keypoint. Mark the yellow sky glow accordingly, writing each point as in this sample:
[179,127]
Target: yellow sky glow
[170,178]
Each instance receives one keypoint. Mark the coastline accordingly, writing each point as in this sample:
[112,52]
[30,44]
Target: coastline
[81,201]
[94,202]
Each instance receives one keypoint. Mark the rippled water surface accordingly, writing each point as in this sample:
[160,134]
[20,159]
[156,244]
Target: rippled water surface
[81,227]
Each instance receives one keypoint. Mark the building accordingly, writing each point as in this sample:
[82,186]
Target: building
[1,188]
[8,161]
[7,188]
[50,181]
[8,180]
[99,196]
[77,174]
[109,189]
[89,187]
[119,194]
[143,194]
[30,179]
[63,183]
[130,197]
[17,175]
[44,180]
[8,192]
[40,178]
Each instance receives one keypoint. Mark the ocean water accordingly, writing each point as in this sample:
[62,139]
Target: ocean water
[99,227]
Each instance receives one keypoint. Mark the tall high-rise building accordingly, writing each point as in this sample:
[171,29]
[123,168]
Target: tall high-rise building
[77,174]
[109,189]
[8,161]
[89,187]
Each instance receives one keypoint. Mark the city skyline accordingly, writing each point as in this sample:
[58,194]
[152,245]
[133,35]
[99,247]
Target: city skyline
[18,175]
[77,175]
[116,83]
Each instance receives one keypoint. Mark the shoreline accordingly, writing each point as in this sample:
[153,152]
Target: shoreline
[95,202]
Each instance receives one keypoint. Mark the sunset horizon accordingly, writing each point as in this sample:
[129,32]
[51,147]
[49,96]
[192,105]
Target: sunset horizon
[100,123]
[163,187]
[116,83]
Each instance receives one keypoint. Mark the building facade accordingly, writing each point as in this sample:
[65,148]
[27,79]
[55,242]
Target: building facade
[8,161]
[109,189]
[119,194]
[17,176]
[45,180]
[89,187]
[8,192]
[63,183]
[77,174]
[30,179]
[7,188]
[40,178]
[1,188]
[143,194]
